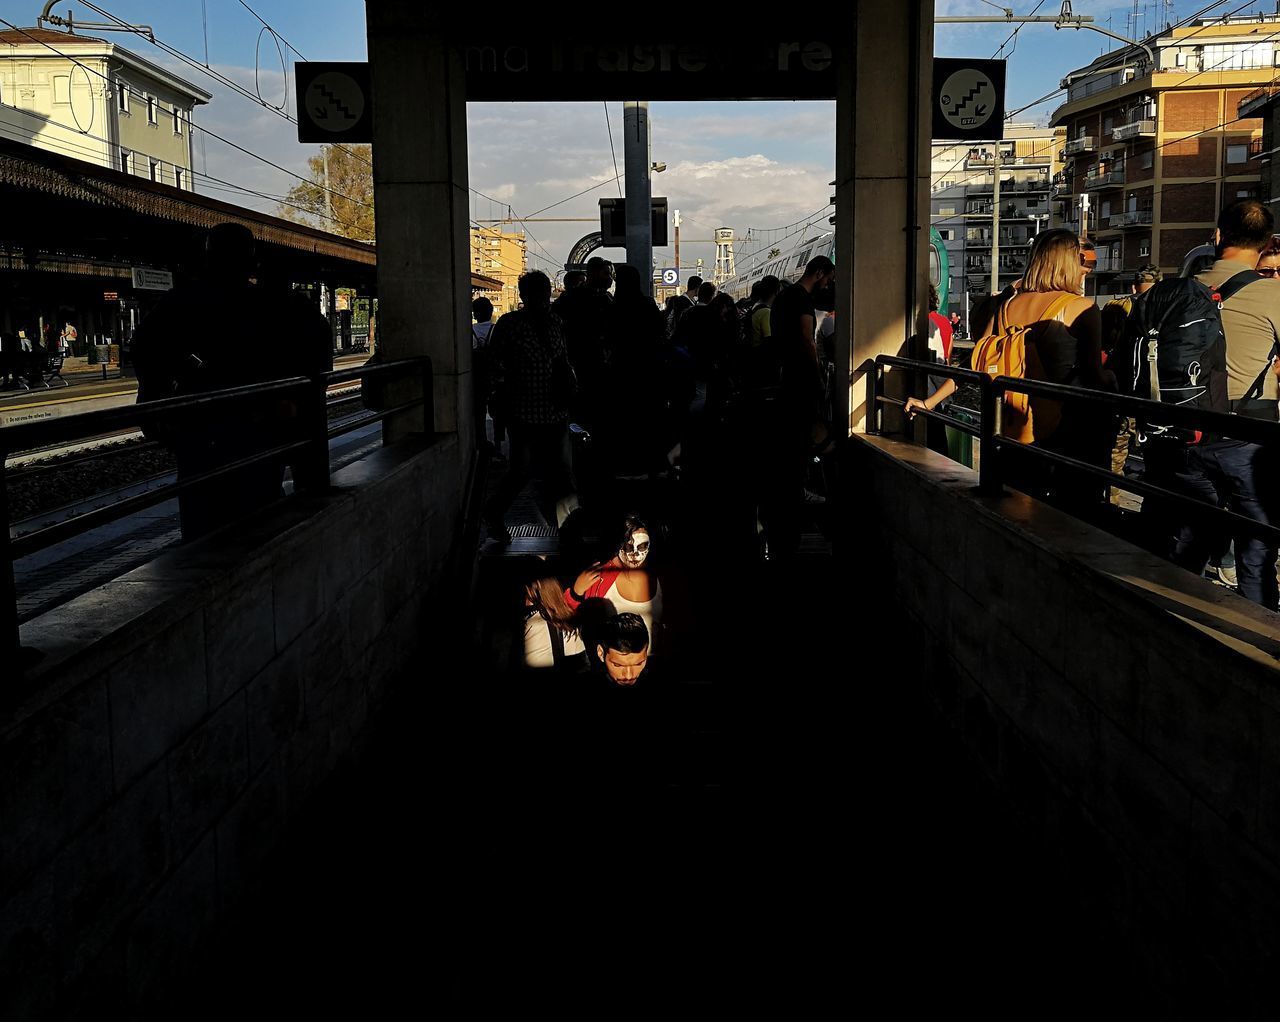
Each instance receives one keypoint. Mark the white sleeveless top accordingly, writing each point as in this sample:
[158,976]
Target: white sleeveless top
[537,643]
[650,611]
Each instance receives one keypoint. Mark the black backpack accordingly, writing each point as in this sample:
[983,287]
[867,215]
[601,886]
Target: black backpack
[1178,351]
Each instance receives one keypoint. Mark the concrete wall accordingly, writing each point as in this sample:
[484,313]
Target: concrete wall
[183,712]
[1129,710]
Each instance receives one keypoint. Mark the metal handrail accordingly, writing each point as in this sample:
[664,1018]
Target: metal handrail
[313,429]
[992,391]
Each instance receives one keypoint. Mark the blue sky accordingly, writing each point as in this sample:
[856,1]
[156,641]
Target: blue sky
[759,165]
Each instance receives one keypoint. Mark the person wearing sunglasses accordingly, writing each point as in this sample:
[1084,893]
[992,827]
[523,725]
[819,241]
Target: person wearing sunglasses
[1269,264]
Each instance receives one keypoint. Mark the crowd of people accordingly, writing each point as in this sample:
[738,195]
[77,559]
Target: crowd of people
[603,359]
[1209,341]
[607,622]
[644,383]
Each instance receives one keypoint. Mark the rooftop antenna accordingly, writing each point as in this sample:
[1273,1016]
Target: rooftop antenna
[98,26]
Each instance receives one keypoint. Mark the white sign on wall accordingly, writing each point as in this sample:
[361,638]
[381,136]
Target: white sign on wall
[147,279]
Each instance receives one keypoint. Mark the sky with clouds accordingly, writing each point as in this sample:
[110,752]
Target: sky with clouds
[743,165]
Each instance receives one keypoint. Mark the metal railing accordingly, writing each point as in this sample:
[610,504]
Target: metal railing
[1104,179]
[309,445]
[1134,129]
[1130,218]
[995,446]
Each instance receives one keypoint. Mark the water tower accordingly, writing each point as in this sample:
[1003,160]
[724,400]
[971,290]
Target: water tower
[724,257]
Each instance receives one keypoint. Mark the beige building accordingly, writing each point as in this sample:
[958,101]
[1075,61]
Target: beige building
[93,100]
[1157,143]
[962,201]
[503,257]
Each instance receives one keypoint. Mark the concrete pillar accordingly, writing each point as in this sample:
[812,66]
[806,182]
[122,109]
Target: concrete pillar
[882,143]
[420,193]
[638,157]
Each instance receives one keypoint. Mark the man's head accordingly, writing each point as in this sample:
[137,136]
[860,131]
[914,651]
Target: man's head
[229,253]
[819,273]
[692,289]
[535,289]
[1244,227]
[933,298]
[574,278]
[1146,278]
[623,648]
[599,273]
[482,310]
[706,291]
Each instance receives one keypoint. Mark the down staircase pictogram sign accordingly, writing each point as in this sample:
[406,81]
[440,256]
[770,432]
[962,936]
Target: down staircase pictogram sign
[968,99]
[334,101]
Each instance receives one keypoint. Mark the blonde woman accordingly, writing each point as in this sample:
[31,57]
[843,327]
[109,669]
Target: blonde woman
[1064,345]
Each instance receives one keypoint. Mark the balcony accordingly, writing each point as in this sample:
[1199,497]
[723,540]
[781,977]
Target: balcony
[1110,179]
[1257,152]
[1130,218]
[1076,146]
[1134,129]
[1064,186]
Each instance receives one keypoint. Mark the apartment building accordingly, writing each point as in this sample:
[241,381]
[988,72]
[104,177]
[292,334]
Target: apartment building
[503,257]
[95,101]
[962,204]
[1157,144]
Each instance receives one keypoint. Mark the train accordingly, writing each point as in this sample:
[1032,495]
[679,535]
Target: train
[787,264]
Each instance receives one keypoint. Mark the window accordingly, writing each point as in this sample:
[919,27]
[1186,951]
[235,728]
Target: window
[1237,154]
[1107,124]
[177,177]
[947,235]
[1147,160]
[122,97]
[946,211]
[155,171]
[126,160]
[177,121]
[61,89]
[151,110]
[1144,247]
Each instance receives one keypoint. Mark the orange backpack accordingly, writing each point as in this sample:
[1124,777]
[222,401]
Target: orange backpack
[1005,352]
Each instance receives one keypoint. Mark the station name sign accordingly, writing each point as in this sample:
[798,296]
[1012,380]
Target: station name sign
[568,69]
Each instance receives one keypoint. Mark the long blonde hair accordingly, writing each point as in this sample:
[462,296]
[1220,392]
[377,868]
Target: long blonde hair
[1054,263]
[545,595]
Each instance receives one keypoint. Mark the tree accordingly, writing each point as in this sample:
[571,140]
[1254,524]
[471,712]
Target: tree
[347,208]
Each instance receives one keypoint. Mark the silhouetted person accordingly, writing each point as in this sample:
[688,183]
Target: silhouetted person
[584,315]
[225,331]
[631,428]
[534,385]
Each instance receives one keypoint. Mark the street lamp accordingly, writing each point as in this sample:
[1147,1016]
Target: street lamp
[658,168]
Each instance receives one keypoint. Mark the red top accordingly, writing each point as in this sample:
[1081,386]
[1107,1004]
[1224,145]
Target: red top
[944,331]
[596,590]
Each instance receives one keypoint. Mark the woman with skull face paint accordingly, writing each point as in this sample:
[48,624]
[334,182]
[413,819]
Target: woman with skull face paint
[626,580]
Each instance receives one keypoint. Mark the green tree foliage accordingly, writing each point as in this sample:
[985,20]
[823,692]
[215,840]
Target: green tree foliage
[350,198]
